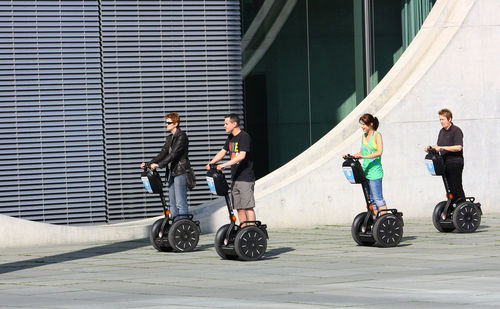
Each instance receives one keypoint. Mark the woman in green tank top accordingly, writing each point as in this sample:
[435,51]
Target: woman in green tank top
[371,153]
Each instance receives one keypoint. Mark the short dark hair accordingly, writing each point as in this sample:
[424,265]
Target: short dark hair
[233,118]
[446,112]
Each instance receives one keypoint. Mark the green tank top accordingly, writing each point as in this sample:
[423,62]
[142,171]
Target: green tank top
[371,167]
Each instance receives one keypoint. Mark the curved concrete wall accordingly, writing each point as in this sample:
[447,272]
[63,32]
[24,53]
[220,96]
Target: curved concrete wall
[16,232]
[453,62]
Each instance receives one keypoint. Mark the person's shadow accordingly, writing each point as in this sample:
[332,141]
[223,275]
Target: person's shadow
[273,253]
[204,247]
[404,241]
[74,255]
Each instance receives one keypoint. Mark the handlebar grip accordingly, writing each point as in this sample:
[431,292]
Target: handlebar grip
[431,150]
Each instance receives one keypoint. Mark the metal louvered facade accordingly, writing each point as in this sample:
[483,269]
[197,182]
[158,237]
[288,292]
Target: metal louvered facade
[52,143]
[160,57]
[86,85]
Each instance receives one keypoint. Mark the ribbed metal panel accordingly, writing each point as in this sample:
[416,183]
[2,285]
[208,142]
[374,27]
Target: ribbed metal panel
[85,86]
[51,128]
[160,57]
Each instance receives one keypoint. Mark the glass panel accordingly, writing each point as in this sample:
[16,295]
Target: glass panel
[332,69]
[387,38]
[277,103]
[249,9]
[313,75]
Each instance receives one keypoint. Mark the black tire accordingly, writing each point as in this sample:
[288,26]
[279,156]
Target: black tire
[219,242]
[250,243]
[159,243]
[356,229]
[466,217]
[436,218]
[388,230]
[183,235]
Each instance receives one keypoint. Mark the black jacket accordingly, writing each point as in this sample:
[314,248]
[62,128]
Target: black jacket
[175,151]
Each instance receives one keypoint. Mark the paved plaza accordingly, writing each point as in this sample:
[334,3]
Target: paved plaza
[303,268]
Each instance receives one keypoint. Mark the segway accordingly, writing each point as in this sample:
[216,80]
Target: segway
[386,230]
[232,241]
[181,233]
[464,215]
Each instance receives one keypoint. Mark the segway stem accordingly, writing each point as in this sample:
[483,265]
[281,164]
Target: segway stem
[461,214]
[445,181]
[229,206]
[166,208]
[366,193]
[386,229]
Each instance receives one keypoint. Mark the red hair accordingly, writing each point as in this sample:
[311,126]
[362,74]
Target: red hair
[174,117]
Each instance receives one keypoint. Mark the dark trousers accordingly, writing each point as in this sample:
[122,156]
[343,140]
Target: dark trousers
[453,175]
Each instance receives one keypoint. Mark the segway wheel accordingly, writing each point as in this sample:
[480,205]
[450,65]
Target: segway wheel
[436,218]
[183,235]
[219,242]
[356,229]
[388,230]
[159,243]
[250,243]
[466,217]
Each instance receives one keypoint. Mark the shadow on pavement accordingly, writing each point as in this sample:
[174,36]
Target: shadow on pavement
[406,238]
[273,253]
[405,241]
[74,255]
[480,230]
[204,247]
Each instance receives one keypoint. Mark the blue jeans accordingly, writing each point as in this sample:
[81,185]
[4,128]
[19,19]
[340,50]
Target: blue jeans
[375,190]
[177,193]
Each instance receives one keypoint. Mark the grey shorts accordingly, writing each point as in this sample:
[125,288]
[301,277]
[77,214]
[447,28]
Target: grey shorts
[243,195]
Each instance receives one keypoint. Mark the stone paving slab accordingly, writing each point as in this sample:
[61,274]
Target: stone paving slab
[303,268]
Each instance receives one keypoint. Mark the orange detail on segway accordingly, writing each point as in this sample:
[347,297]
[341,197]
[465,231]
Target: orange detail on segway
[463,214]
[165,234]
[247,242]
[367,229]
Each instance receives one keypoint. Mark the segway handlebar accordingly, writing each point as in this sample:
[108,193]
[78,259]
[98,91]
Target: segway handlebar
[147,166]
[432,150]
[350,157]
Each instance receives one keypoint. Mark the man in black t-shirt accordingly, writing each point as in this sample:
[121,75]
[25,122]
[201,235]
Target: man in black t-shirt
[238,144]
[450,144]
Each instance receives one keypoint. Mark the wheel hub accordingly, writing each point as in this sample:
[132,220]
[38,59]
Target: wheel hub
[467,218]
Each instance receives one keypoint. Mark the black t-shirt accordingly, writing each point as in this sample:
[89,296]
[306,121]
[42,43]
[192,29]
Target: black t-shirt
[451,137]
[243,171]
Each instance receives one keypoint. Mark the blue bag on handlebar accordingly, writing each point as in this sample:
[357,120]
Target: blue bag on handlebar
[217,182]
[152,181]
[435,163]
[353,170]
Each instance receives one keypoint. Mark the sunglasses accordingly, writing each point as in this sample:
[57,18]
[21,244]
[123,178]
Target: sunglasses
[169,122]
